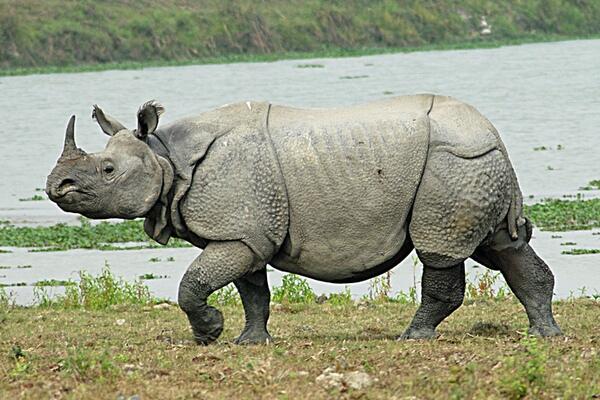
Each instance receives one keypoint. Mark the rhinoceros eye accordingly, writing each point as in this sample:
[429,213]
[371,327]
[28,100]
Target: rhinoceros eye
[109,169]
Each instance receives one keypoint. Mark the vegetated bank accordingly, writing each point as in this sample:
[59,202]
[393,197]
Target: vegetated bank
[549,215]
[51,35]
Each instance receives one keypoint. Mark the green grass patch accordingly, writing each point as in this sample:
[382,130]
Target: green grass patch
[482,353]
[103,236]
[565,215]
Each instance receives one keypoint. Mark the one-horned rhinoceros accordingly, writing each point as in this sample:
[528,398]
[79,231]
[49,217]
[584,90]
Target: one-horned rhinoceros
[339,195]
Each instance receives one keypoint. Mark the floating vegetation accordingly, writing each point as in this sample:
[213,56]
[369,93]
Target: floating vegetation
[568,244]
[310,66]
[387,92]
[154,259]
[24,266]
[5,251]
[544,148]
[592,185]
[565,215]
[354,76]
[54,282]
[150,276]
[35,197]
[578,252]
[170,259]
[13,284]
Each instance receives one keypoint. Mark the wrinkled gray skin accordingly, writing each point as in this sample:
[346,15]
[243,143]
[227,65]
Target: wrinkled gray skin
[339,195]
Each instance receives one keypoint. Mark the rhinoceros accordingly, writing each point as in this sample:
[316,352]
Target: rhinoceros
[335,194]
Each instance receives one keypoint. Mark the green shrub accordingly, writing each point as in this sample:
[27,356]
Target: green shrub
[293,289]
[97,293]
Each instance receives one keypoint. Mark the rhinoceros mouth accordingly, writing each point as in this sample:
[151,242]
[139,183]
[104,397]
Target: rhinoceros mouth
[67,193]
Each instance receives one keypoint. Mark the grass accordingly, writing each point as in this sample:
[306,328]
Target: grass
[103,236]
[54,36]
[120,343]
[565,215]
[482,353]
[96,293]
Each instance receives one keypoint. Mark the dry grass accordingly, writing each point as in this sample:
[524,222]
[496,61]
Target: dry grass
[482,353]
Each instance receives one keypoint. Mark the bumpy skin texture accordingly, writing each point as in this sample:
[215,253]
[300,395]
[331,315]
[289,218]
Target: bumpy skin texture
[339,195]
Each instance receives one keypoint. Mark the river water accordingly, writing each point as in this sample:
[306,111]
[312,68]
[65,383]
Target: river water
[537,95]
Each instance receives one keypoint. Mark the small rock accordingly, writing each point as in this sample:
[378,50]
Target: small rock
[330,379]
[162,306]
[120,322]
[358,380]
[278,307]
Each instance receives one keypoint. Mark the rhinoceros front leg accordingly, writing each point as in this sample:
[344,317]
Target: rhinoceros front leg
[219,264]
[442,292]
[255,294]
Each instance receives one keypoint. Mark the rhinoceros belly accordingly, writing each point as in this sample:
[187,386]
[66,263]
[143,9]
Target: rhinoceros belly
[351,175]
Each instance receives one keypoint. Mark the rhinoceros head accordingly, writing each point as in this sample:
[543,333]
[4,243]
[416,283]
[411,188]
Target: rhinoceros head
[122,181]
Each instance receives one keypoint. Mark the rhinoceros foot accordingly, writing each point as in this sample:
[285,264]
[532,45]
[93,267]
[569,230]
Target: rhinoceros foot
[418,334]
[208,327]
[546,330]
[254,336]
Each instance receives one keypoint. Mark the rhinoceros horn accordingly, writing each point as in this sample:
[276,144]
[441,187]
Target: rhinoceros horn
[70,148]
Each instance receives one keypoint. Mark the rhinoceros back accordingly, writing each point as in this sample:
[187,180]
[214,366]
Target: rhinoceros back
[351,175]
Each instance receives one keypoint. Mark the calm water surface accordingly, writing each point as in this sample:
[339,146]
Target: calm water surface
[536,95]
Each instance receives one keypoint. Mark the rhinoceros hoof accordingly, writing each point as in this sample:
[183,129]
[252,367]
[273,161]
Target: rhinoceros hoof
[545,330]
[254,337]
[209,328]
[418,334]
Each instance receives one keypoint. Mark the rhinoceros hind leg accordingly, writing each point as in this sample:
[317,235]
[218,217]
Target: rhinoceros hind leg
[442,292]
[255,294]
[220,264]
[529,278]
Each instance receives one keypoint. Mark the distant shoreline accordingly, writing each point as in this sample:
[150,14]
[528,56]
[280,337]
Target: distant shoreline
[480,43]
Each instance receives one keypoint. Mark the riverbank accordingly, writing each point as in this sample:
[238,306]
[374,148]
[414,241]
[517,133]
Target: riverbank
[324,53]
[54,36]
[147,351]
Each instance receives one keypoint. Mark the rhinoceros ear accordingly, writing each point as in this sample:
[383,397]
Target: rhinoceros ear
[108,124]
[147,117]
